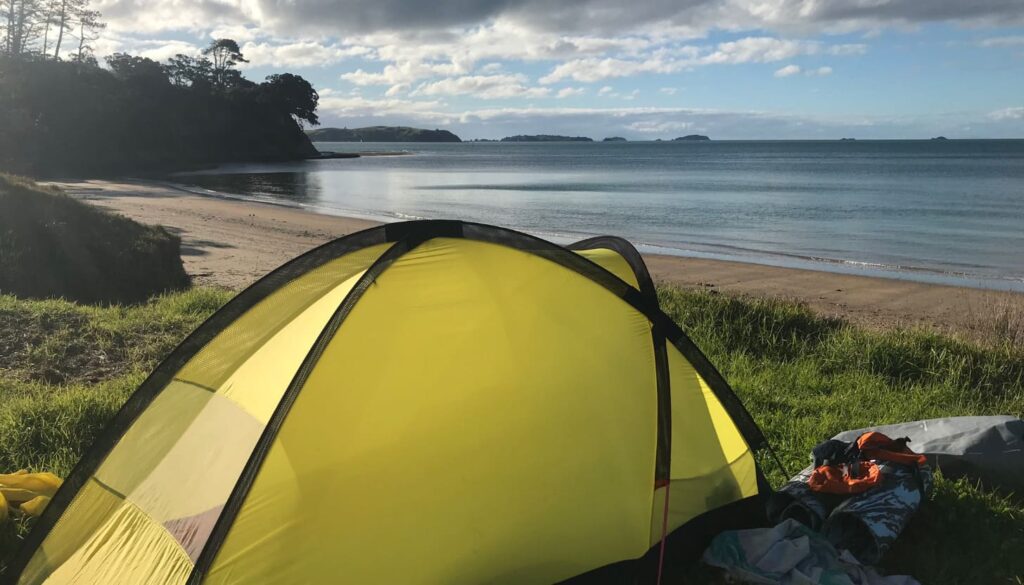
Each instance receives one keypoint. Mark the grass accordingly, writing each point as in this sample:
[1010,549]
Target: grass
[65,368]
[54,246]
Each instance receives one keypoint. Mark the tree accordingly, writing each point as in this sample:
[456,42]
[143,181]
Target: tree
[139,70]
[89,26]
[20,24]
[186,71]
[225,54]
[64,12]
[294,95]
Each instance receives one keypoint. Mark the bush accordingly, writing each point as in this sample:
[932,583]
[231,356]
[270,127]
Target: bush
[54,246]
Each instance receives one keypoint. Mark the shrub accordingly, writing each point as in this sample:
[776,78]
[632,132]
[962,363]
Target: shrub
[54,246]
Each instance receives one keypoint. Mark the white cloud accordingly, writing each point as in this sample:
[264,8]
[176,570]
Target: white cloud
[770,49]
[299,54]
[238,32]
[482,86]
[407,72]
[678,58]
[1003,42]
[656,127]
[788,71]
[791,70]
[359,107]
[669,90]
[1016,113]
[570,92]
[606,90]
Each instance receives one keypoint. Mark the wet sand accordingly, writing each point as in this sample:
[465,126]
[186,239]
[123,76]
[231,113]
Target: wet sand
[231,243]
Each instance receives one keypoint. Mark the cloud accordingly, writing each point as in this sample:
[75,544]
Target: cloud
[1008,114]
[299,54]
[589,16]
[791,70]
[332,104]
[570,92]
[606,90]
[403,73]
[483,86]
[679,58]
[655,127]
[788,70]
[669,90]
[770,49]
[1002,42]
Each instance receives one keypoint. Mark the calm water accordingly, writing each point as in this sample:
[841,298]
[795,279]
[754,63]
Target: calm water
[944,211]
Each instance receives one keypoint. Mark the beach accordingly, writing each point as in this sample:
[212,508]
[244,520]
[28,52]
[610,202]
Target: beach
[232,243]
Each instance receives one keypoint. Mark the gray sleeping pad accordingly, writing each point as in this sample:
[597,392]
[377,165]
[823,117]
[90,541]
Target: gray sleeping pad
[985,448]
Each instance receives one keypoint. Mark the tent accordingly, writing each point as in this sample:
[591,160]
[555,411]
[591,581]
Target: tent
[421,402]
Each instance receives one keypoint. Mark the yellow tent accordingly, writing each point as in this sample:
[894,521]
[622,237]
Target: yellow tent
[423,402]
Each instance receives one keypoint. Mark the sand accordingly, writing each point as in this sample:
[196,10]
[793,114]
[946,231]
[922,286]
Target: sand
[231,243]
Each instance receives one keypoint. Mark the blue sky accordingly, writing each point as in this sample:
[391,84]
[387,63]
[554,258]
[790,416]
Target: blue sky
[648,69]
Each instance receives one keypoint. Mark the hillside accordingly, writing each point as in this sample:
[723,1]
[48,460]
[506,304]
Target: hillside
[381,134]
[691,137]
[545,138]
[139,116]
[54,246]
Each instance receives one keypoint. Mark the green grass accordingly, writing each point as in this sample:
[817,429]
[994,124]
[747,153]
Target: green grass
[805,378]
[65,368]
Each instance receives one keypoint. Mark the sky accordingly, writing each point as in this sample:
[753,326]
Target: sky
[640,69]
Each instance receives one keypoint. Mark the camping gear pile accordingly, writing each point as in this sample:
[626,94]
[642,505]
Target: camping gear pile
[860,494]
[26,493]
[846,509]
[851,504]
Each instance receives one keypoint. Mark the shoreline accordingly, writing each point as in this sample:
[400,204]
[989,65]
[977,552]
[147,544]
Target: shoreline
[231,242]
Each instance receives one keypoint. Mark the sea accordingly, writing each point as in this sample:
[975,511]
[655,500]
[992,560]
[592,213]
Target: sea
[942,211]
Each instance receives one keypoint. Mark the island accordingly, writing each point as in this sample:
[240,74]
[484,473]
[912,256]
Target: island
[545,138]
[381,134]
[847,139]
[614,139]
[940,138]
[689,137]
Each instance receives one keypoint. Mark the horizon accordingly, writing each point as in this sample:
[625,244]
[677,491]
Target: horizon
[730,69]
[672,138]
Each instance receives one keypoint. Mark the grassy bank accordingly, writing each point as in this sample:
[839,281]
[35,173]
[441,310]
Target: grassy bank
[66,368]
[54,246]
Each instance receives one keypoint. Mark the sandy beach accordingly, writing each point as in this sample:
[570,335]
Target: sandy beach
[232,243]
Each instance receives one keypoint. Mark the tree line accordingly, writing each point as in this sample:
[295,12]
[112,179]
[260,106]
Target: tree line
[71,115]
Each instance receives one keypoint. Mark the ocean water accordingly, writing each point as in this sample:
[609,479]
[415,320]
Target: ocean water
[937,211]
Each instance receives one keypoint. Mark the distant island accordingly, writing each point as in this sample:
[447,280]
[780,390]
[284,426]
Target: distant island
[545,138]
[691,137]
[940,138]
[847,139]
[381,134]
[614,139]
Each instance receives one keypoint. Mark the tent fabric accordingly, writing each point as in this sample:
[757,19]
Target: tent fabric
[423,402]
